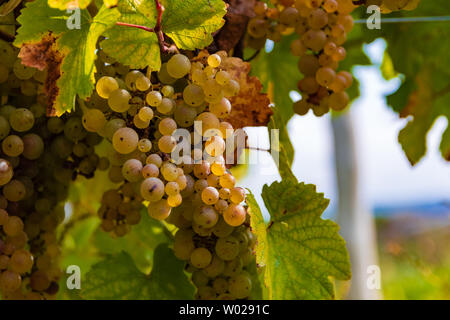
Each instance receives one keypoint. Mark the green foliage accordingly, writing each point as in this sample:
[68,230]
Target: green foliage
[131,46]
[190,23]
[76,45]
[140,243]
[298,249]
[117,277]
[417,51]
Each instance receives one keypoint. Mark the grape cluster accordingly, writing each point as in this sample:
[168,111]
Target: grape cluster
[39,157]
[322,27]
[388,6]
[139,113]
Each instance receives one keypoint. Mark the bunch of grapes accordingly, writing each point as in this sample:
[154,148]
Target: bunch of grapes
[322,27]
[140,114]
[388,6]
[39,157]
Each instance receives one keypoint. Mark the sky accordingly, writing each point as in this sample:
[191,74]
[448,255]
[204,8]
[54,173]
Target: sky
[385,176]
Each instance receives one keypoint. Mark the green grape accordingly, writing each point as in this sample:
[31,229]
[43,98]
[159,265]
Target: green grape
[150,170]
[183,245]
[12,146]
[222,109]
[143,83]
[237,195]
[184,116]
[220,285]
[227,248]
[240,286]
[174,200]
[105,85]
[215,268]
[119,100]
[112,126]
[223,77]
[233,267]
[206,217]
[103,164]
[210,195]
[159,210]
[6,172]
[257,28]
[38,110]
[132,169]
[4,128]
[28,88]
[198,77]
[167,91]
[33,146]
[125,140]
[164,76]
[21,261]
[10,281]
[212,89]
[144,145]
[55,125]
[93,120]
[200,258]
[178,66]
[167,144]
[139,123]
[73,129]
[154,159]
[172,188]
[167,126]
[23,72]
[6,111]
[13,226]
[202,170]
[222,229]
[214,60]
[166,106]
[209,123]
[198,277]
[169,171]
[39,281]
[193,95]
[154,98]
[146,114]
[130,79]
[21,119]
[152,189]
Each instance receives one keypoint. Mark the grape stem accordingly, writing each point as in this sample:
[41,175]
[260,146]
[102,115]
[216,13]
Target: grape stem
[156,29]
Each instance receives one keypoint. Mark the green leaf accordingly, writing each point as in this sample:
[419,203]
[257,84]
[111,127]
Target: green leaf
[417,51]
[77,46]
[298,249]
[190,23]
[117,278]
[139,243]
[67,4]
[277,70]
[131,46]
[284,150]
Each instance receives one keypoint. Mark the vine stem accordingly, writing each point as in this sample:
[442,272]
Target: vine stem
[157,29]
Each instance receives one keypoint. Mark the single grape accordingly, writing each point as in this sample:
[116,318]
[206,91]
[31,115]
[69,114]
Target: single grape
[105,85]
[152,189]
[159,210]
[125,140]
[200,258]
[119,100]
[178,66]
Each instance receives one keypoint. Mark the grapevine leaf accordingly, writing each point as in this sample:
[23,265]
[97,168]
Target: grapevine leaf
[117,278]
[139,243]
[131,46]
[425,94]
[68,4]
[190,23]
[278,72]
[69,54]
[298,249]
[285,150]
